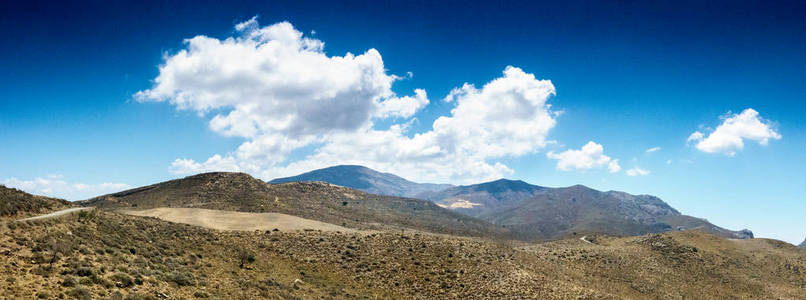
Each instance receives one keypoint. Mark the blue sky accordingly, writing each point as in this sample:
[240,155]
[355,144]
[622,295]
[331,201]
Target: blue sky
[628,76]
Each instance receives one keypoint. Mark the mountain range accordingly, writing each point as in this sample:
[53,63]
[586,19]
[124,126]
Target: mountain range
[176,239]
[531,211]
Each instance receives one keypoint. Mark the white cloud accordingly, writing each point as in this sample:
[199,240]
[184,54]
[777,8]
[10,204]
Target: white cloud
[730,135]
[696,136]
[636,171]
[653,149]
[281,92]
[590,156]
[57,186]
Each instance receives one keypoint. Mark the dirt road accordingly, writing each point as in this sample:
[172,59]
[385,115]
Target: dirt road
[57,213]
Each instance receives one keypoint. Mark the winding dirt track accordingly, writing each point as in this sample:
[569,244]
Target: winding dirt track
[57,213]
[231,220]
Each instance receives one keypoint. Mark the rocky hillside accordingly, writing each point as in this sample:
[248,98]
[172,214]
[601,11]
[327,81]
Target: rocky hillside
[367,180]
[105,255]
[16,203]
[311,200]
[534,212]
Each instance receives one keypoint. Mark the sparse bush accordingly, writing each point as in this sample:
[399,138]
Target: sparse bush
[122,280]
[181,278]
[80,293]
[69,281]
[245,256]
[84,271]
[86,215]
[201,294]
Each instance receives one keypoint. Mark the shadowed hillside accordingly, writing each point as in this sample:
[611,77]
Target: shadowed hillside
[367,180]
[311,200]
[16,203]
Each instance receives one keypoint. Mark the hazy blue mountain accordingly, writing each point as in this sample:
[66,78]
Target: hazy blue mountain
[367,180]
[802,245]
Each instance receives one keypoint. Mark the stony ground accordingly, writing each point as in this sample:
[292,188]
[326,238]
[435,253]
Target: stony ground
[105,255]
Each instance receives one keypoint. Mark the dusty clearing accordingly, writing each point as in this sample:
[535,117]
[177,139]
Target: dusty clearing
[230,220]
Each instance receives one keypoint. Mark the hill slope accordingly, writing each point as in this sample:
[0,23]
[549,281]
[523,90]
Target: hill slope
[802,245]
[537,212]
[365,179]
[111,256]
[16,203]
[311,200]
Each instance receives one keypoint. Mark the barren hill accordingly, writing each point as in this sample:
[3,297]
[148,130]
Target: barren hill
[311,200]
[16,203]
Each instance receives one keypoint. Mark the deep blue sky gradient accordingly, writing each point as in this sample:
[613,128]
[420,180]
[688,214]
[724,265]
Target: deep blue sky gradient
[629,75]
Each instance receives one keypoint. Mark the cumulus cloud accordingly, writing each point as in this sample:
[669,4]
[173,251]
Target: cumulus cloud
[590,156]
[281,92]
[57,186]
[735,128]
[636,171]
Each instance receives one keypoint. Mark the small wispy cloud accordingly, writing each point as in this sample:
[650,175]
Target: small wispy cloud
[636,171]
[653,149]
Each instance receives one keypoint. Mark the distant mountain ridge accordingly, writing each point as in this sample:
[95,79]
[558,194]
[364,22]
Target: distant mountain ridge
[367,180]
[802,245]
[536,212]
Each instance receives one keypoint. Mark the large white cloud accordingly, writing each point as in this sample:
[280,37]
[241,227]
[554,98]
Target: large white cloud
[735,128]
[282,92]
[57,186]
[590,156]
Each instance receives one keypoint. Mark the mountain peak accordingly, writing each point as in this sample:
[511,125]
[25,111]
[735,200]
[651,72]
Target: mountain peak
[365,179]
